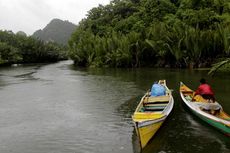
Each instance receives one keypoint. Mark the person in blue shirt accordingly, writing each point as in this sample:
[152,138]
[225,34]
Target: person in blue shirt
[157,90]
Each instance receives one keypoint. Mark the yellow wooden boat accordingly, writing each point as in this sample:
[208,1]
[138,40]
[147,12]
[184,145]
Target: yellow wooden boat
[151,113]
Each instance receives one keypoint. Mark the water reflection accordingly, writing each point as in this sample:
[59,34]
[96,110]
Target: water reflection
[63,109]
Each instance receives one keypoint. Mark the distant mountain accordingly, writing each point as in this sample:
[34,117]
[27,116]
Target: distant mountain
[22,33]
[56,31]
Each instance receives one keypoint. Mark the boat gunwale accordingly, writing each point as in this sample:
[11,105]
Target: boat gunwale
[152,121]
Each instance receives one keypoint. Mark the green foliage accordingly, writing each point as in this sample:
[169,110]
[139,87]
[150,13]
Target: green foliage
[18,48]
[225,38]
[9,54]
[218,65]
[134,33]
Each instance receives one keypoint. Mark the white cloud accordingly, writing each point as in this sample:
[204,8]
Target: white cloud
[31,15]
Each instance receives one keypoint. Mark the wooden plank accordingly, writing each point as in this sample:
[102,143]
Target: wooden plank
[156,99]
[156,104]
[153,109]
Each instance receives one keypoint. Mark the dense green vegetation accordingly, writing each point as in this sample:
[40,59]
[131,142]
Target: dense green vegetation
[57,31]
[18,48]
[162,33]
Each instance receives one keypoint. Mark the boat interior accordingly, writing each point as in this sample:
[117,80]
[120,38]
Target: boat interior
[155,104]
[188,94]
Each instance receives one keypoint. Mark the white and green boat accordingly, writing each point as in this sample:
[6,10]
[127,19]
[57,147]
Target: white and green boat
[214,116]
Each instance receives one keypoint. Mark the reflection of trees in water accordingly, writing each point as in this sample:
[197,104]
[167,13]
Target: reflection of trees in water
[126,111]
[18,74]
[182,131]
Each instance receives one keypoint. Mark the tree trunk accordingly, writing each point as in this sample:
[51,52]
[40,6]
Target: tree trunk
[191,65]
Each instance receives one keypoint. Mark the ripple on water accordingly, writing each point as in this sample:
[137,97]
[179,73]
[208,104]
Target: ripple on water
[71,110]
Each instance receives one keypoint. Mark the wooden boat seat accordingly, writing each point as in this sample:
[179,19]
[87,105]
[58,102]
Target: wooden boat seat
[156,99]
[160,104]
[156,102]
[154,108]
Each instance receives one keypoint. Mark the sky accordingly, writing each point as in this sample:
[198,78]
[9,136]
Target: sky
[32,15]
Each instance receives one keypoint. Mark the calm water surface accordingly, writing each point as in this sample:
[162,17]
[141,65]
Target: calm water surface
[57,108]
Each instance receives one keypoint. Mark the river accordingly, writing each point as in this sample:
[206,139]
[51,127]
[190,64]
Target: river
[58,108]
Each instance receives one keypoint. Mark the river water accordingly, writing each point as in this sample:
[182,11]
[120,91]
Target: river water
[57,108]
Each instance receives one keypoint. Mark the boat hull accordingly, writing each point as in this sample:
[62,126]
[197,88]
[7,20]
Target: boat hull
[222,127]
[147,131]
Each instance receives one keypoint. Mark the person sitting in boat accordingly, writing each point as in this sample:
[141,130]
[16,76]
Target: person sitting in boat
[205,91]
[158,90]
